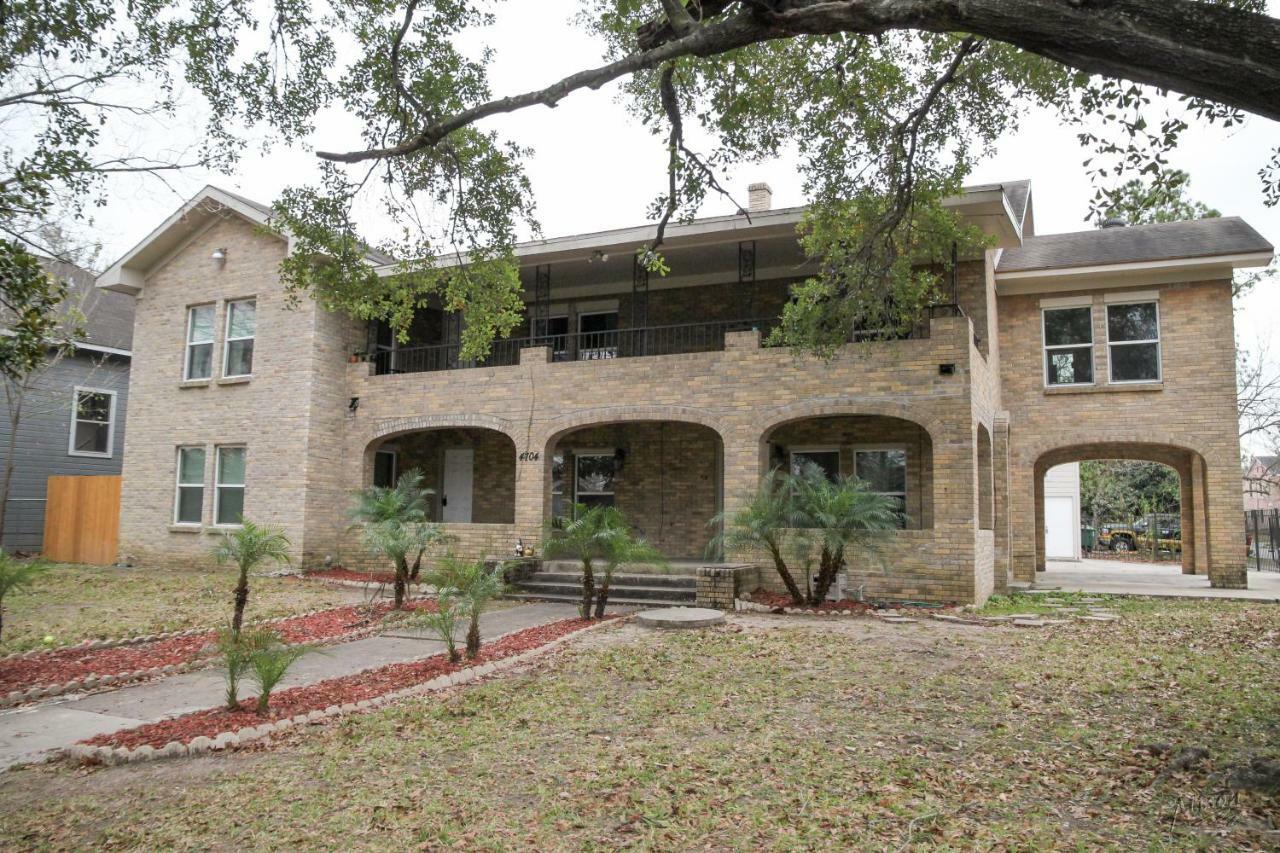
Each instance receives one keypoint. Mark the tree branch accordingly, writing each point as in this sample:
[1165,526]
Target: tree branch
[1226,55]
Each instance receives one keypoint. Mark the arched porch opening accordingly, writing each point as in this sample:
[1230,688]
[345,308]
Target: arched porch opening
[894,455]
[666,476]
[1179,526]
[470,470]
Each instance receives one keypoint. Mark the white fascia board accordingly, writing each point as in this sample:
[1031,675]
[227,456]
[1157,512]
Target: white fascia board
[1138,272]
[105,350]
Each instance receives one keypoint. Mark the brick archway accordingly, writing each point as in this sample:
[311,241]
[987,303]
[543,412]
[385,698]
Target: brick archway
[1187,462]
[837,406]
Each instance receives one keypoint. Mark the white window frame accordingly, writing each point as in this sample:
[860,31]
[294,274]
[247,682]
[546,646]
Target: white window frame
[580,454]
[395,463]
[227,339]
[906,468]
[178,485]
[1111,362]
[211,343]
[1045,348]
[75,419]
[817,448]
[218,485]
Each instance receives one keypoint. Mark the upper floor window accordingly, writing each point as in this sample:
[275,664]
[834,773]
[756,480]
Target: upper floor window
[92,422]
[188,503]
[241,325]
[1133,341]
[199,361]
[1068,346]
[228,494]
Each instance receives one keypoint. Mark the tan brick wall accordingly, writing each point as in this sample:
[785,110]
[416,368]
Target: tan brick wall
[493,487]
[1188,420]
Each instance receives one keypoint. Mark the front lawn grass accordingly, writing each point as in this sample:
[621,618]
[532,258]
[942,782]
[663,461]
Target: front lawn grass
[771,733]
[72,603]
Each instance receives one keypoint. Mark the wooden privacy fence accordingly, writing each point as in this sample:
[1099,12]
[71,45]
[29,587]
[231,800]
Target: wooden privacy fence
[82,519]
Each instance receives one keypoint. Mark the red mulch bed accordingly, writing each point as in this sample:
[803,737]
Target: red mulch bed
[62,665]
[334,691]
[777,599]
[337,573]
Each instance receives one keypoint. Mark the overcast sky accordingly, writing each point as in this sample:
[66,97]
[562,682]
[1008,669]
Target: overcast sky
[594,168]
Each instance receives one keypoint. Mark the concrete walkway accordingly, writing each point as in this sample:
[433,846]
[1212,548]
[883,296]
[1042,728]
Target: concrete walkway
[27,733]
[1155,579]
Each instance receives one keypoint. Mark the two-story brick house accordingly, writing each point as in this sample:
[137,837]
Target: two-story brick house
[658,395]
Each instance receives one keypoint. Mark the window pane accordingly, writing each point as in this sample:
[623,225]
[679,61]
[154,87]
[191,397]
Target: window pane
[1132,322]
[1135,362]
[595,474]
[557,474]
[199,361]
[827,460]
[597,322]
[230,505]
[94,407]
[240,357]
[1068,326]
[200,329]
[596,500]
[91,437]
[242,319]
[1070,366]
[190,504]
[231,466]
[191,465]
[883,470]
[384,468]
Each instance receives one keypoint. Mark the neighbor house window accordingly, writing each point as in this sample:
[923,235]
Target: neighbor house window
[825,458]
[1068,346]
[884,470]
[1133,342]
[594,478]
[92,423]
[199,362]
[228,498]
[384,468]
[189,502]
[241,325]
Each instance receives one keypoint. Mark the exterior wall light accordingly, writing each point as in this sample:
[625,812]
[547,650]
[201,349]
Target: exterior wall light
[219,256]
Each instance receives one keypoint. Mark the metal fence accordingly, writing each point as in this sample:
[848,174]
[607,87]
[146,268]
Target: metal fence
[1262,535]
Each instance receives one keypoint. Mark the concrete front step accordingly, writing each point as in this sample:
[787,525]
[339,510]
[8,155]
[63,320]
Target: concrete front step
[639,593]
[675,568]
[619,579]
[614,598]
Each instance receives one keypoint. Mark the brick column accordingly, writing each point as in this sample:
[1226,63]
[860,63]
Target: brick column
[1224,500]
[1199,513]
[1000,483]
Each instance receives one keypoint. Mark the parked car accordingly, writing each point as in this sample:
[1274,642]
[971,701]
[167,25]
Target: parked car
[1130,537]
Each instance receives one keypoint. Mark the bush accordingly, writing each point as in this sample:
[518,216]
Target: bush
[237,649]
[443,622]
[269,664]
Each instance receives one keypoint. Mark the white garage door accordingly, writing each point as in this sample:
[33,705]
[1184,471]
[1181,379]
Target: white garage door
[1059,528]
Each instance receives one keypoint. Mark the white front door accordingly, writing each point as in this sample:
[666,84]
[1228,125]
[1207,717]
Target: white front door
[458,463]
[1059,533]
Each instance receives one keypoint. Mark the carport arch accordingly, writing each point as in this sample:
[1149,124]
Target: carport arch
[1187,462]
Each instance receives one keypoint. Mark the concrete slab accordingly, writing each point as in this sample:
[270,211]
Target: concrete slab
[27,733]
[680,617]
[1160,580]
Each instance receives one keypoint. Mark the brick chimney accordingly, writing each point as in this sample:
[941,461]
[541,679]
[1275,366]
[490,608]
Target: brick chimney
[759,198]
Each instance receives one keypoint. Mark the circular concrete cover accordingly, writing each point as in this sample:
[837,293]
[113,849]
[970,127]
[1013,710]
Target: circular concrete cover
[680,617]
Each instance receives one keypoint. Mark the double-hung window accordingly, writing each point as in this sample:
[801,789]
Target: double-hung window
[1068,346]
[1133,341]
[92,423]
[188,503]
[557,486]
[228,497]
[595,472]
[241,326]
[884,470]
[199,360]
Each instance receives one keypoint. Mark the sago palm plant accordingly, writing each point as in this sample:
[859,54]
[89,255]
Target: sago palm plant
[248,547]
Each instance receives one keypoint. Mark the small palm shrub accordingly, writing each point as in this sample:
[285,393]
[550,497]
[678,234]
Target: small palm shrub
[396,526]
[248,547]
[237,649]
[473,585]
[443,623]
[269,664]
[17,576]
[598,534]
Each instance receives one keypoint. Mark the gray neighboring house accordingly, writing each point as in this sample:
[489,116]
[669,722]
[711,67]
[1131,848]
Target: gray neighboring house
[73,414]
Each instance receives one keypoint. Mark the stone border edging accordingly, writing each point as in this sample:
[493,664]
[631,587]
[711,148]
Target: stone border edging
[93,681]
[248,735]
[1028,621]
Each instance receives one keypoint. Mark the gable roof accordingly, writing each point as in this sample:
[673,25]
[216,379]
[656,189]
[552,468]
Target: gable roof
[1167,241]
[108,316]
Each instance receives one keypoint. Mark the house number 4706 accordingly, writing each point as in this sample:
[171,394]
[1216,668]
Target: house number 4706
[530,456]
